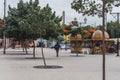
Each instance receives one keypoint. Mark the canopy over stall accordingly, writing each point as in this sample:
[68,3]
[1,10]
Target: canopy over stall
[96,42]
[97,35]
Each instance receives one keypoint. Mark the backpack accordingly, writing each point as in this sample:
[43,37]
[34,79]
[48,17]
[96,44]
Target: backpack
[57,46]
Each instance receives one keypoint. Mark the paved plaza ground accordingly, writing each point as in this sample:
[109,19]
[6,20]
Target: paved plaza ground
[15,65]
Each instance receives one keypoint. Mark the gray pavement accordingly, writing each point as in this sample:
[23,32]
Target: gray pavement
[15,65]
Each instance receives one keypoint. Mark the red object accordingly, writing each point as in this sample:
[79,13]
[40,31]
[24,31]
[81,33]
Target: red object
[1,22]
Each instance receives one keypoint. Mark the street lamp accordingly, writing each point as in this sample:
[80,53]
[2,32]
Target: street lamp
[85,20]
[110,9]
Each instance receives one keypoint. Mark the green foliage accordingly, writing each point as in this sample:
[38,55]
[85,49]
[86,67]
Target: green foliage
[113,29]
[76,31]
[92,7]
[51,22]
[73,28]
[28,20]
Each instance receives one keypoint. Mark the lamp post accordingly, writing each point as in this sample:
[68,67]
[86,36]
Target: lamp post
[85,20]
[4,52]
[118,15]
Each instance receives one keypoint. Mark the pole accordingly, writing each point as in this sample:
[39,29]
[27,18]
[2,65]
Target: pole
[80,24]
[4,8]
[103,33]
[118,34]
[63,17]
[105,20]
[4,51]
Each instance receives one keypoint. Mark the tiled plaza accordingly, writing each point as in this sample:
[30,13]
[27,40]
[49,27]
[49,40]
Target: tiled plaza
[16,65]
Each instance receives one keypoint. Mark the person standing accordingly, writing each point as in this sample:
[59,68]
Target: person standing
[57,47]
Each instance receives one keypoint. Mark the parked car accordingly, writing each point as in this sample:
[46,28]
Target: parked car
[51,45]
[65,46]
[62,46]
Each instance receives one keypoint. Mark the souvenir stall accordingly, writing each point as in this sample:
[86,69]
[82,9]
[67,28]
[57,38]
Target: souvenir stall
[76,43]
[96,43]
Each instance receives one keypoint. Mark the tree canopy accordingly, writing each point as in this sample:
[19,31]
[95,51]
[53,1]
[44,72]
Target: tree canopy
[93,7]
[28,19]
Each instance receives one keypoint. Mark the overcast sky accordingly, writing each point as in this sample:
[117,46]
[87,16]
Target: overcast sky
[59,6]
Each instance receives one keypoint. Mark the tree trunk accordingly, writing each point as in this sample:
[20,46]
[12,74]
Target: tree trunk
[43,53]
[22,44]
[25,49]
[26,46]
[33,49]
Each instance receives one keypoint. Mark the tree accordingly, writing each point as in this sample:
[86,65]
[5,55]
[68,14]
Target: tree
[29,21]
[112,29]
[16,23]
[51,23]
[43,22]
[93,7]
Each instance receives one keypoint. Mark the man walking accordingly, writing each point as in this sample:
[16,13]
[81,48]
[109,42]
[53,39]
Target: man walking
[57,47]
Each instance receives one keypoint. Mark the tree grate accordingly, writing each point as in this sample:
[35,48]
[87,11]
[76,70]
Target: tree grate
[48,67]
